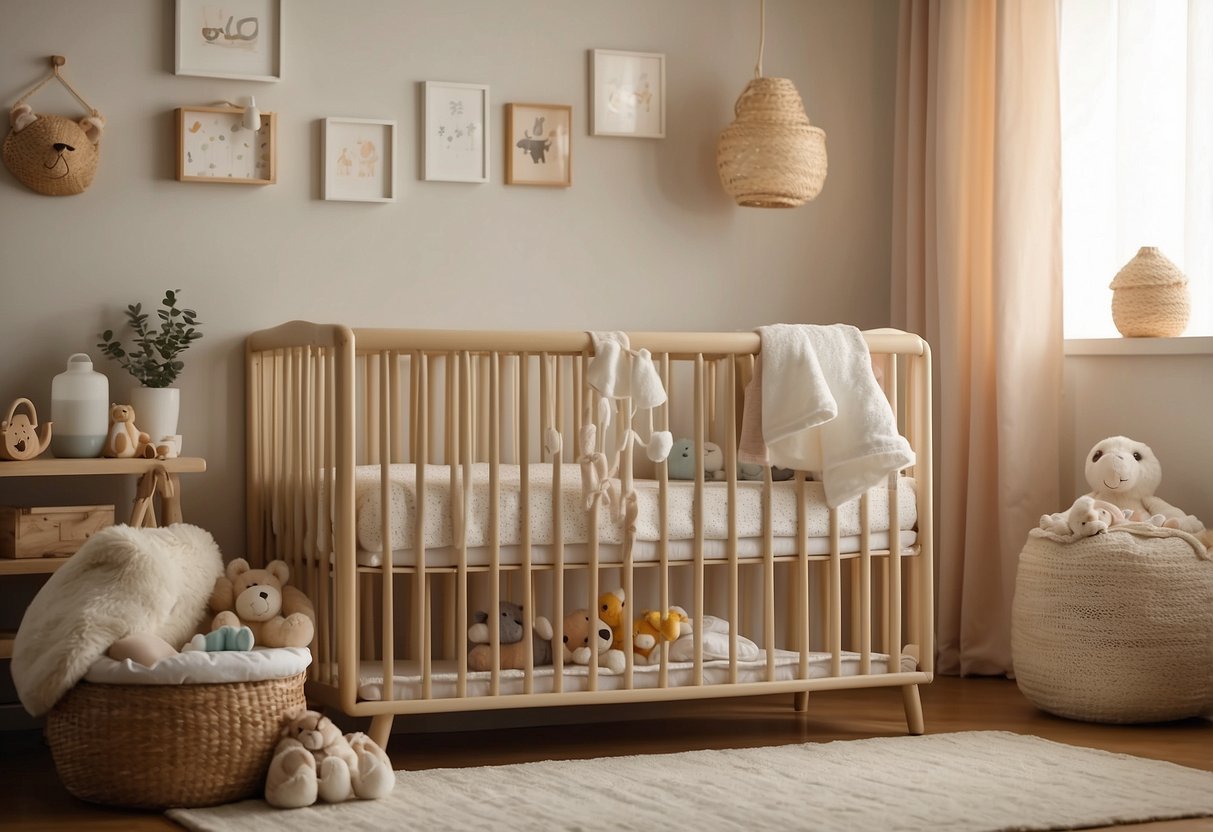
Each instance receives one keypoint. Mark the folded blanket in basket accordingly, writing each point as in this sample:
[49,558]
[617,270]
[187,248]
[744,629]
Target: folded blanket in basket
[122,581]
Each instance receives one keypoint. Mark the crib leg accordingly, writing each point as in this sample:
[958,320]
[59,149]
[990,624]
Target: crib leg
[913,705]
[800,701]
[381,729]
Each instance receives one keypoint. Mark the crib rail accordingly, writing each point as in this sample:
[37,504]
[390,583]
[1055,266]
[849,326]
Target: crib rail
[510,409]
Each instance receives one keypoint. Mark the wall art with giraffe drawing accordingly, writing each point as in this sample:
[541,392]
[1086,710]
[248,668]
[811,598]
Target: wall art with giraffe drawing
[359,159]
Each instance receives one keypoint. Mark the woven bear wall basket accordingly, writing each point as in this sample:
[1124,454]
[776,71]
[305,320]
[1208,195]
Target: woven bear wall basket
[53,155]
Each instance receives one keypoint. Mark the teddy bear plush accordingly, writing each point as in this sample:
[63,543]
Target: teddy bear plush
[652,628]
[313,760]
[1088,516]
[611,611]
[1126,473]
[123,440]
[682,460]
[578,629]
[66,151]
[260,599]
[511,628]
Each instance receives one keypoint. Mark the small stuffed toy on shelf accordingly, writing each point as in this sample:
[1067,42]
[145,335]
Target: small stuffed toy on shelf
[511,629]
[313,760]
[278,614]
[124,440]
[578,629]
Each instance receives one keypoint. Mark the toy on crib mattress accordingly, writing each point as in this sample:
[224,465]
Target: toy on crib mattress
[278,614]
[578,629]
[682,460]
[511,628]
[652,628]
[313,760]
[611,609]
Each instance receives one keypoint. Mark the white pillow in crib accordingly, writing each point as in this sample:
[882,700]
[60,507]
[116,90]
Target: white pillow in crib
[199,668]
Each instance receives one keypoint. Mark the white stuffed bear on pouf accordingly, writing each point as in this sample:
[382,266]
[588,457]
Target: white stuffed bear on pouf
[1126,473]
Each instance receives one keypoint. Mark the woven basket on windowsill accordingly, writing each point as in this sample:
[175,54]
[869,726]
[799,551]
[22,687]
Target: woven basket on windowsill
[1150,297]
[162,746]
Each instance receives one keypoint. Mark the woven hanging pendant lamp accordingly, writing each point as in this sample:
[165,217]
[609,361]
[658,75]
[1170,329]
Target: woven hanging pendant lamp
[770,156]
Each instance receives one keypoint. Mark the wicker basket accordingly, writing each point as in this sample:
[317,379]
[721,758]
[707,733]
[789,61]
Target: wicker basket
[1150,297]
[162,746]
[1114,627]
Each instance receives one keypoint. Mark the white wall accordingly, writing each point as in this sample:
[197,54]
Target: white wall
[645,238]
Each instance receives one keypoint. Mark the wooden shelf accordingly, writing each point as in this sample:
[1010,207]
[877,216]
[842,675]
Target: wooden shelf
[98,467]
[6,643]
[30,566]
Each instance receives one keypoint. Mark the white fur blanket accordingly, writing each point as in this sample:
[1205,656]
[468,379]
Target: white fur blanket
[122,581]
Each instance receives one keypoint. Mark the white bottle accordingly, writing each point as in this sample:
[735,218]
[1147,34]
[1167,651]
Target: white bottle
[80,399]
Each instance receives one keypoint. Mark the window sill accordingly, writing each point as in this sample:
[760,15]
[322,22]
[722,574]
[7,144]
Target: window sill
[1199,345]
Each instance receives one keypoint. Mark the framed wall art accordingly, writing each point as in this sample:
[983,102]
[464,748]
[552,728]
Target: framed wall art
[213,145]
[239,39]
[359,159]
[455,140]
[627,91]
[539,144]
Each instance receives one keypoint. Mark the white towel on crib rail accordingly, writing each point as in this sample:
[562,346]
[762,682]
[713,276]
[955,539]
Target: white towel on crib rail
[822,409]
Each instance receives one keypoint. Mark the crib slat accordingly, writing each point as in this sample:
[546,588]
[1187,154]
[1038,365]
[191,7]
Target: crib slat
[731,476]
[421,593]
[461,568]
[494,445]
[802,573]
[521,421]
[697,593]
[553,367]
[663,518]
[387,638]
[865,585]
[835,613]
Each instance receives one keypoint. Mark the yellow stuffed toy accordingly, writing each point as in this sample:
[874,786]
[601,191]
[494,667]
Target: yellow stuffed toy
[610,610]
[651,628]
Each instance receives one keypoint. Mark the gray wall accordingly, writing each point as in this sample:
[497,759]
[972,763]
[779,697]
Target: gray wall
[645,238]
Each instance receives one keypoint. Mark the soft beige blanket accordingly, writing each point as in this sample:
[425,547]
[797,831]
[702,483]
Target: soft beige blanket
[122,581]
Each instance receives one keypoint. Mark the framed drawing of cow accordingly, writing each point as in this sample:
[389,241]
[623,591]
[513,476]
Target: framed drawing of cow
[539,144]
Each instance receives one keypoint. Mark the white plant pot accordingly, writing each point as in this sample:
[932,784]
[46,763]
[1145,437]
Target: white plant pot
[156,410]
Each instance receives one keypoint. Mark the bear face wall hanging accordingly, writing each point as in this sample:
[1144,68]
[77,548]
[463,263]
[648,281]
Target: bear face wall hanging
[50,154]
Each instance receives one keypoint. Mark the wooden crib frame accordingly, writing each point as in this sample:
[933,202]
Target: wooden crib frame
[323,398]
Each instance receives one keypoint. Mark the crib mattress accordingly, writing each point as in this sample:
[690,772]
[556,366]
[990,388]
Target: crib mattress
[444,675]
[438,532]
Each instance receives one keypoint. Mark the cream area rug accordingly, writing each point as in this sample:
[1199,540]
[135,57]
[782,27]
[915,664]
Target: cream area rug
[973,780]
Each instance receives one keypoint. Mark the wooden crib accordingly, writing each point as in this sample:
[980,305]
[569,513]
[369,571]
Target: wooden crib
[346,427]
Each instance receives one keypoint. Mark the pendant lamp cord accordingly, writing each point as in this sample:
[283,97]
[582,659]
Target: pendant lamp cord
[762,36]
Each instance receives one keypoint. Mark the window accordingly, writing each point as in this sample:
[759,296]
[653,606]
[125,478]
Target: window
[1137,150]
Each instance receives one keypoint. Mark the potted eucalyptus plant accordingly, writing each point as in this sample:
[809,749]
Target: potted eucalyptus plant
[153,359]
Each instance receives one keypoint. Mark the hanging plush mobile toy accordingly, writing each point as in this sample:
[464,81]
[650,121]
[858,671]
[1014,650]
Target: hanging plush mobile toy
[53,155]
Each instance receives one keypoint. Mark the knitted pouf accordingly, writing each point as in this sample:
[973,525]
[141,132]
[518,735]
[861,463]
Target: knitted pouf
[1117,627]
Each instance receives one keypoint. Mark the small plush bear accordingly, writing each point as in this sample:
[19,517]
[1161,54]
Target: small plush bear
[611,610]
[578,628]
[313,760]
[124,440]
[1088,516]
[682,460]
[511,628]
[260,599]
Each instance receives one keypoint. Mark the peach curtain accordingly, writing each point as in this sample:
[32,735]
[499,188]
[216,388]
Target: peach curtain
[977,272]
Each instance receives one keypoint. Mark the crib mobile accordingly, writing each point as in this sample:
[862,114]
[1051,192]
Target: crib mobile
[53,155]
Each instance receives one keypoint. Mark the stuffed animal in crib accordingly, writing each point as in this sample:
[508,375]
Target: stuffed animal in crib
[578,629]
[313,760]
[511,628]
[652,628]
[124,440]
[611,611]
[753,471]
[278,614]
[1126,473]
[682,460]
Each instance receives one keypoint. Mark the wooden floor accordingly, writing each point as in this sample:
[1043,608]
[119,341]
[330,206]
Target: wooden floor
[34,799]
